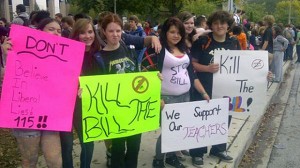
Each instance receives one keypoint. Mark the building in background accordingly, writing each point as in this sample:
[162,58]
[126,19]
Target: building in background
[8,7]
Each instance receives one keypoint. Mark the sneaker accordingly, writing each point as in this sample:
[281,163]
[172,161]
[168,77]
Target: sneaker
[173,161]
[223,156]
[197,161]
[185,152]
[108,159]
[156,163]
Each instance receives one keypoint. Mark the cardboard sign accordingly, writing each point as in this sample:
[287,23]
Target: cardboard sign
[242,78]
[194,124]
[41,80]
[119,105]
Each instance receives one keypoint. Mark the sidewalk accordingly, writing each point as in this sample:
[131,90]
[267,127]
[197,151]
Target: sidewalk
[241,133]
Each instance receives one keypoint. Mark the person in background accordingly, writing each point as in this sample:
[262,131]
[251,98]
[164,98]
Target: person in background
[202,52]
[298,44]
[280,44]
[67,24]
[37,17]
[201,26]
[137,31]
[147,27]
[241,36]
[267,38]
[254,39]
[3,22]
[30,141]
[23,17]
[58,17]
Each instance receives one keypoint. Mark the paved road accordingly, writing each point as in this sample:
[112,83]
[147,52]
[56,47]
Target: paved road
[285,152]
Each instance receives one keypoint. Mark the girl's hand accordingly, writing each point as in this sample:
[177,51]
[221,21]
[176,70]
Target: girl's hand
[160,76]
[205,96]
[79,93]
[270,76]
[7,45]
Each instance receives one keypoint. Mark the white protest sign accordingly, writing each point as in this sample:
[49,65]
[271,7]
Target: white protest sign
[242,78]
[194,124]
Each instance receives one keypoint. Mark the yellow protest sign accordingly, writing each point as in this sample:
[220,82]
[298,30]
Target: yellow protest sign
[119,105]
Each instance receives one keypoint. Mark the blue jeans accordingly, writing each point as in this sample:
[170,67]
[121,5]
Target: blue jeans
[66,139]
[298,52]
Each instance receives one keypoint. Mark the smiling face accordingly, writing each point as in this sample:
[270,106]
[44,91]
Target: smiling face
[87,36]
[189,25]
[113,33]
[53,28]
[173,36]
[219,28]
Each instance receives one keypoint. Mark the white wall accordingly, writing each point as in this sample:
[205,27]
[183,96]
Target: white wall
[41,3]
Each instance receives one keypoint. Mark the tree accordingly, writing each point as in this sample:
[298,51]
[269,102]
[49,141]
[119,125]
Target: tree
[255,12]
[282,12]
[200,7]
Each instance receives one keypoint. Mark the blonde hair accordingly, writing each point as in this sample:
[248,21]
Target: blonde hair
[269,19]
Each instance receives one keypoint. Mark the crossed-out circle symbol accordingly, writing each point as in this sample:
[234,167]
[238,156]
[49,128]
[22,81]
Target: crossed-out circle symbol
[140,84]
[257,64]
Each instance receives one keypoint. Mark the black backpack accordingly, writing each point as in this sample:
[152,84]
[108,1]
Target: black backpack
[26,21]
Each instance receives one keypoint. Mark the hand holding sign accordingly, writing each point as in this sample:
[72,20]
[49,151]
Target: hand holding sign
[37,73]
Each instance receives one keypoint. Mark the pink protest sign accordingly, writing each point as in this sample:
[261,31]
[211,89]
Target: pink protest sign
[41,81]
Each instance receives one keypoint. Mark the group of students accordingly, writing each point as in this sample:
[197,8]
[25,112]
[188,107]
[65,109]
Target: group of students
[179,43]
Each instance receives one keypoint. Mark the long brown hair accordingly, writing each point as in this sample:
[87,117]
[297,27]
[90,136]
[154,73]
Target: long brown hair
[79,27]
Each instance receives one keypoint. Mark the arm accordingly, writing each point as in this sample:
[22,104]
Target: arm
[154,42]
[212,68]
[198,86]
[196,51]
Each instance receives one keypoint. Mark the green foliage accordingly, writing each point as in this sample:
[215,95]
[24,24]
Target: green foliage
[255,12]
[200,7]
[282,12]
[87,6]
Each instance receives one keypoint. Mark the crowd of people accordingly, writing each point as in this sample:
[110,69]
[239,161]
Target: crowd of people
[181,39]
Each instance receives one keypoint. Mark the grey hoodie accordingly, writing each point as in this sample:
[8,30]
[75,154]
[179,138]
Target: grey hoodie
[280,43]
[17,20]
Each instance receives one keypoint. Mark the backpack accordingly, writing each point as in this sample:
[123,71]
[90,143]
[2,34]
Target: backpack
[258,40]
[26,21]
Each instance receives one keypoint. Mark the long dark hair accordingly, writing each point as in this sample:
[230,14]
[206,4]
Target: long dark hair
[44,22]
[79,27]
[173,21]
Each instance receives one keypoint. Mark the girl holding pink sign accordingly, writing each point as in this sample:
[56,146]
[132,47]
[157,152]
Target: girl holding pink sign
[30,141]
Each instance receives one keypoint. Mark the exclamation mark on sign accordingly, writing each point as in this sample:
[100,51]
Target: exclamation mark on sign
[40,124]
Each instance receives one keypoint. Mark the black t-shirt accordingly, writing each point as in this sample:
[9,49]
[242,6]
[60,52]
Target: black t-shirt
[203,50]
[268,36]
[118,61]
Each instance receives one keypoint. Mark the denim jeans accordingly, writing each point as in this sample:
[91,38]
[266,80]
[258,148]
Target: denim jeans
[298,52]
[66,138]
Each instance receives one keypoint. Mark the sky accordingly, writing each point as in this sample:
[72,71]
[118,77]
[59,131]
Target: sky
[41,4]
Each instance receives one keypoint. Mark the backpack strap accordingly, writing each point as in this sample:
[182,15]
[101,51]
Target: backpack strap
[100,61]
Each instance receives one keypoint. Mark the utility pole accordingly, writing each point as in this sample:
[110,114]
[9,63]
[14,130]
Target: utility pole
[290,9]
[115,6]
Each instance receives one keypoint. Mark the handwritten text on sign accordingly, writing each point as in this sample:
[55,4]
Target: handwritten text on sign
[194,124]
[242,78]
[41,81]
[119,105]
